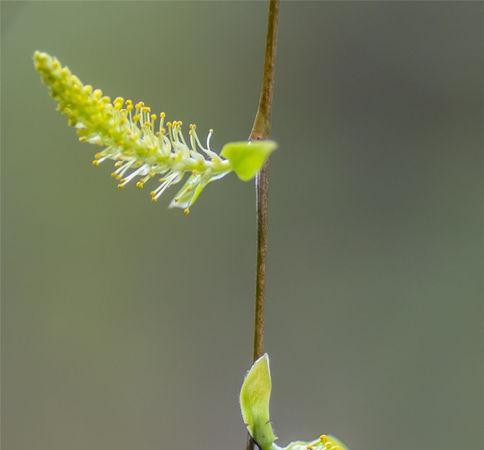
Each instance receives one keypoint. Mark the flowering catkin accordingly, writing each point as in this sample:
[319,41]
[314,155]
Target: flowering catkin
[141,144]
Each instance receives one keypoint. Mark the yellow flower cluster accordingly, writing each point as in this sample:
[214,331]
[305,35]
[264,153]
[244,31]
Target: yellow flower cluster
[142,145]
[330,443]
[324,442]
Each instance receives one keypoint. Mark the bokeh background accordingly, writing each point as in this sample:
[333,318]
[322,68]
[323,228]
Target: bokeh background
[129,326]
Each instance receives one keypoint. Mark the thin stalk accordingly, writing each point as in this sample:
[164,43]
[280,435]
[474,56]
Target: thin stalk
[261,130]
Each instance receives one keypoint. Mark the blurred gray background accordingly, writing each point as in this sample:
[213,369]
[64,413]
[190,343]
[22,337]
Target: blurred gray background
[129,326]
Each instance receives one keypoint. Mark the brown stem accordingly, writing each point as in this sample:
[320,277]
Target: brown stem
[261,130]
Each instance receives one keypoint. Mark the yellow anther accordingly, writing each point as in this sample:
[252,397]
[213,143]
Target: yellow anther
[162,115]
[168,124]
[153,117]
[95,162]
[152,193]
[121,185]
[98,155]
[140,185]
[97,94]
[186,211]
[114,174]
[329,444]
[136,117]
[119,100]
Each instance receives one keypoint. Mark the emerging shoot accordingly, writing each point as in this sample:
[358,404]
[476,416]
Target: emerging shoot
[255,396]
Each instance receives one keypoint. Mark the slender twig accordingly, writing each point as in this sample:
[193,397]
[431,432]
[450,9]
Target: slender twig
[261,130]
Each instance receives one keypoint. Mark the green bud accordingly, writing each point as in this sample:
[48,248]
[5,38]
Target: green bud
[254,403]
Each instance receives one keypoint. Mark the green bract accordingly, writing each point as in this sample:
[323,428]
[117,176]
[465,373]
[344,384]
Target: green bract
[143,145]
[255,397]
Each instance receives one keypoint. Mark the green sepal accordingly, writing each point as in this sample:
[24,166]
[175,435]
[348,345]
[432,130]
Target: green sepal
[247,157]
[254,403]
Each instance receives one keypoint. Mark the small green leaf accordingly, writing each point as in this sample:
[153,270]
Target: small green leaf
[254,403]
[247,157]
